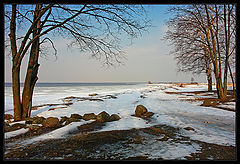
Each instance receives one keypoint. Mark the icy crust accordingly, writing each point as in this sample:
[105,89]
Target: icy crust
[210,124]
[150,148]
[15,133]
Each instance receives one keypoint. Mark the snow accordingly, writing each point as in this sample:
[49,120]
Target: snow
[58,133]
[210,124]
[15,133]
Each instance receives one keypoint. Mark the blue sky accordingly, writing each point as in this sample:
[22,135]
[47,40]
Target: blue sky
[147,59]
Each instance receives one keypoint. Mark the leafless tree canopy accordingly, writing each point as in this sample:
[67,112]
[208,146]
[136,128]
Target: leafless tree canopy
[98,29]
[204,40]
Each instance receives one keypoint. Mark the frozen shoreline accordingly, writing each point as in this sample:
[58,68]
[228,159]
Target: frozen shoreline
[210,124]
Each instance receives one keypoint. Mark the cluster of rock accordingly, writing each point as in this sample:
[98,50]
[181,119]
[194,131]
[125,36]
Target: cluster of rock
[54,122]
[34,123]
[101,117]
[141,111]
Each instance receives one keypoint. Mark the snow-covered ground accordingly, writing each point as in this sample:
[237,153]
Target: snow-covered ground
[211,125]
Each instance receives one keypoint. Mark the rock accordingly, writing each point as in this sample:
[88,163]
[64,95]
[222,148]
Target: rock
[77,116]
[181,85]
[63,119]
[89,116]
[33,127]
[114,117]
[149,82]
[188,128]
[93,94]
[8,116]
[208,102]
[18,126]
[34,120]
[103,117]
[143,96]
[14,127]
[140,110]
[148,114]
[70,120]
[51,122]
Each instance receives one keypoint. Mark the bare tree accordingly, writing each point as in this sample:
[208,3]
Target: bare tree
[188,37]
[94,28]
[204,33]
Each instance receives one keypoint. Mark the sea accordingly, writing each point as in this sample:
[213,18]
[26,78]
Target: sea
[45,93]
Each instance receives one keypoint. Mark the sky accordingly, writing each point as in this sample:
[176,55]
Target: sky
[148,59]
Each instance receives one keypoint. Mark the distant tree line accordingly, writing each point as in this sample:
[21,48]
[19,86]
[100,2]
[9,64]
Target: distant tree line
[204,39]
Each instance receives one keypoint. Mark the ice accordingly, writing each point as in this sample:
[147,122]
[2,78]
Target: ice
[210,124]
[15,133]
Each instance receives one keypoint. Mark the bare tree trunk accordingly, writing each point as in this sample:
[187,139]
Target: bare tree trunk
[15,68]
[32,70]
[207,63]
[213,51]
[30,81]
[227,44]
[16,93]
[209,75]
[233,81]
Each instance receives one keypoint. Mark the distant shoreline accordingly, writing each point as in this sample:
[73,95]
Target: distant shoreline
[39,84]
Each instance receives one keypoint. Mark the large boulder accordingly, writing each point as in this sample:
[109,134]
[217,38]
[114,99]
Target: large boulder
[140,110]
[114,117]
[103,117]
[148,114]
[89,116]
[77,116]
[51,122]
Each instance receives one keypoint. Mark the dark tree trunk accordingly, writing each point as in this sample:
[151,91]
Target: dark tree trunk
[209,77]
[15,68]
[30,81]
[233,81]
[16,93]
[32,70]
[213,52]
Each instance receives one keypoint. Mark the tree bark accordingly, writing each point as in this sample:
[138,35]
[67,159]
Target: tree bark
[233,81]
[213,51]
[15,68]
[209,75]
[207,63]
[227,44]
[32,70]
[16,93]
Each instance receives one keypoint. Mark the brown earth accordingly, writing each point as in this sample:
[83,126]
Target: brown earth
[89,146]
